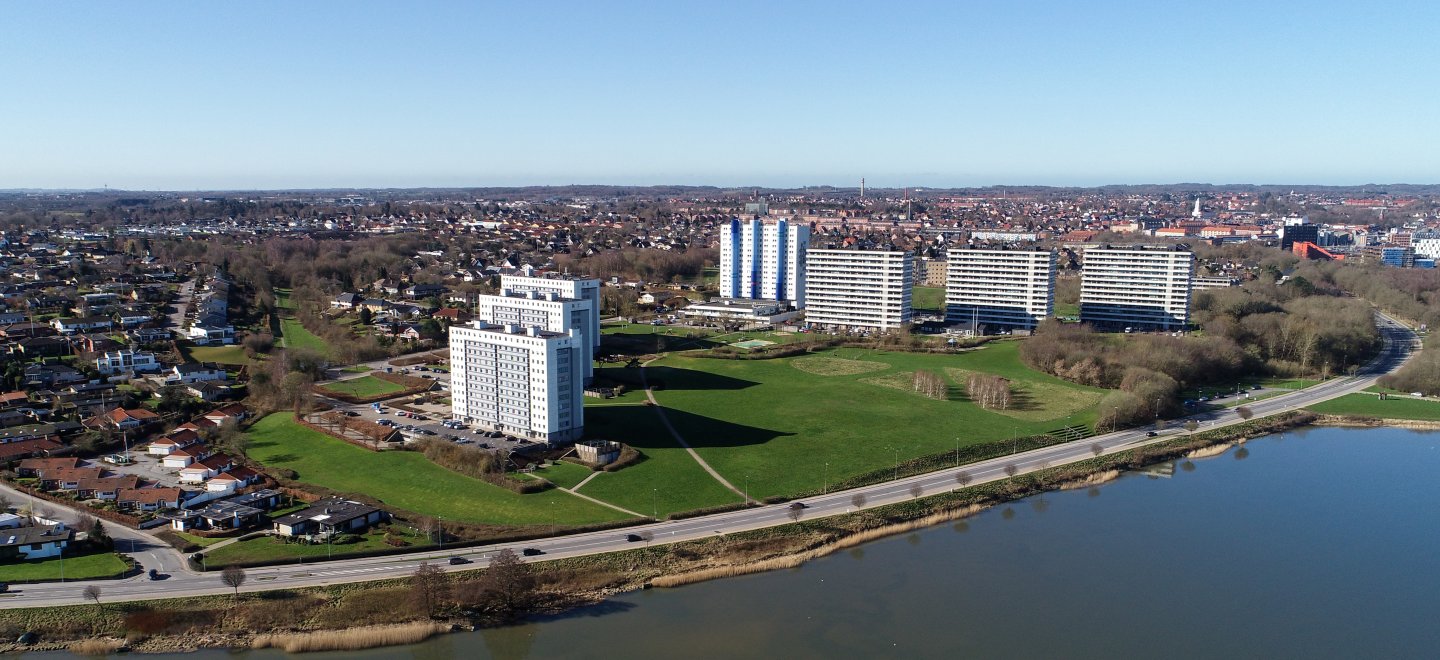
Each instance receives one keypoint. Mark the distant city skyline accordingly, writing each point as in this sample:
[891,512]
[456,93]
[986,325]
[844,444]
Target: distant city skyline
[182,96]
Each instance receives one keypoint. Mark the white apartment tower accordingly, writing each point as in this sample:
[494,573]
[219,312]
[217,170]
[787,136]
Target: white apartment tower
[858,289]
[1136,288]
[546,310]
[764,260]
[994,290]
[565,286]
[519,380]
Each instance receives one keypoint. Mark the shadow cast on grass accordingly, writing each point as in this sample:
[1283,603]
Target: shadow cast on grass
[674,378]
[640,427]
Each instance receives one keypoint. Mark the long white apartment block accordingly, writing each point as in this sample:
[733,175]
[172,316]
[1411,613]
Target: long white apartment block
[764,260]
[520,380]
[527,278]
[1144,289]
[546,310]
[858,289]
[995,290]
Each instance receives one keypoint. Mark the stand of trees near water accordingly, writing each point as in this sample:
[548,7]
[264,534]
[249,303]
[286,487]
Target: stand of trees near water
[1302,327]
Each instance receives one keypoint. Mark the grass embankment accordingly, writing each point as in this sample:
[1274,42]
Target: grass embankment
[1370,405]
[564,474]
[780,423]
[81,567]
[666,482]
[408,480]
[232,354]
[362,387]
[269,548]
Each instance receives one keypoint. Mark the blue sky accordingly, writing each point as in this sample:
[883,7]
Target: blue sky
[157,95]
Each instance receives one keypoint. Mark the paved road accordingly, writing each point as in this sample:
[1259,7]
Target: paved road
[1400,343]
[182,299]
[147,551]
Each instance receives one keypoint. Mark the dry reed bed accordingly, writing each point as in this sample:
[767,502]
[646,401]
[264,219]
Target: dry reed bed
[791,561]
[97,647]
[1207,452]
[1090,480]
[353,639]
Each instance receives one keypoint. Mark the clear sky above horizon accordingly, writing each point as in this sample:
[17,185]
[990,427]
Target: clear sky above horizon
[182,95]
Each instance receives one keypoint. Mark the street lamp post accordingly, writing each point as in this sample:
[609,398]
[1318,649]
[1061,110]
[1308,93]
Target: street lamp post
[825,480]
[897,464]
[655,503]
[747,489]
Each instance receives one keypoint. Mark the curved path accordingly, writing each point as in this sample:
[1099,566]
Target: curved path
[660,410]
[1399,344]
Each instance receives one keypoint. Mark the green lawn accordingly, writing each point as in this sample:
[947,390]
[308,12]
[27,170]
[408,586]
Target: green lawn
[781,425]
[563,474]
[201,541]
[282,299]
[1396,407]
[83,567]
[270,548]
[294,335]
[667,481]
[232,354]
[1067,310]
[928,298]
[362,387]
[408,480]
[357,369]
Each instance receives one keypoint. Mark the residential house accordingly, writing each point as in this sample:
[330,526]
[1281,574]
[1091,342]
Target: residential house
[204,334]
[30,348]
[149,335]
[149,499]
[29,543]
[11,452]
[121,419]
[72,326]
[193,372]
[105,488]
[203,469]
[50,376]
[234,411]
[130,319]
[127,361]
[330,515]
[177,439]
[21,330]
[346,301]
[68,478]
[95,343]
[419,291]
[181,458]
[38,467]
[453,315]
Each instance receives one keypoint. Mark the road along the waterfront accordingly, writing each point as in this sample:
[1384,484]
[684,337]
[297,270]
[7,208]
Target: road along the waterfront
[1399,344]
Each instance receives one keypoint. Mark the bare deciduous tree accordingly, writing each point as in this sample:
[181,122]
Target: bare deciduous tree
[989,391]
[233,576]
[916,490]
[1010,469]
[91,593]
[1245,412]
[858,500]
[930,385]
[1096,449]
[1191,425]
[963,478]
[429,588]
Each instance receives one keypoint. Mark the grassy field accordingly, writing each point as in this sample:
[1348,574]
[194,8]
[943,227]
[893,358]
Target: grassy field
[362,387]
[1067,310]
[201,541]
[282,299]
[294,335]
[563,474]
[667,481]
[270,548]
[408,480]
[928,299]
[781,425]
[82,567]
[220,354]
[1393,408]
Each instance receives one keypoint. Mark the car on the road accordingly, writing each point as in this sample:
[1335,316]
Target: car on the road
[633,538]
[531,552]
[4,587]
[1151,434]
[154,574]
[351,413]
[799,505]
[457,560]
[1254,387]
